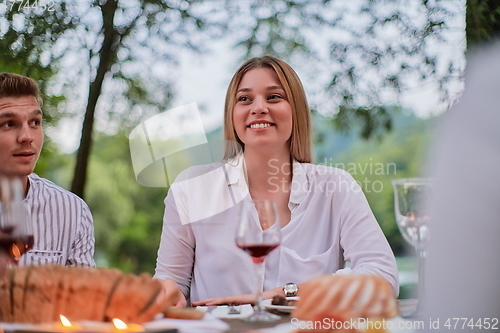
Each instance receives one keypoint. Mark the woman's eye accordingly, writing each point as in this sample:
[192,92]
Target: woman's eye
[243,99]
[275,96]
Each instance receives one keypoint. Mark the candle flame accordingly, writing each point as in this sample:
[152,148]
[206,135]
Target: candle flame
[65,321]
[119,324]
[14,250]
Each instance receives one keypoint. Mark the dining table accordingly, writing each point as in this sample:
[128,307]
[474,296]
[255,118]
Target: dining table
[237,325]
[234,324]
[240,326]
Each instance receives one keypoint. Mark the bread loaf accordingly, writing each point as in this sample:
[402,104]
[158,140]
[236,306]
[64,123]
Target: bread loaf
[38,294]
[38,301]
[18,289]
[347,296]
[5,296]
[120,305]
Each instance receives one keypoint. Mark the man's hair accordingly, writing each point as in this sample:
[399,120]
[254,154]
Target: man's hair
[15,85]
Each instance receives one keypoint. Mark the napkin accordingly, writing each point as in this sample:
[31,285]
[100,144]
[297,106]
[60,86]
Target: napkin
[209,324]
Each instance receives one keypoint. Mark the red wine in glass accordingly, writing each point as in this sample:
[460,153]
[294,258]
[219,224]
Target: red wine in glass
[16,230]
[258,251]
[14,246]
[258,233]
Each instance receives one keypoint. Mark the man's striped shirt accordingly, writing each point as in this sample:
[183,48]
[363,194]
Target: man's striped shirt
[62,226]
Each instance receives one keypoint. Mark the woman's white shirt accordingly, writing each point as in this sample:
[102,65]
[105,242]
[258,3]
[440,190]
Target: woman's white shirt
[331,222]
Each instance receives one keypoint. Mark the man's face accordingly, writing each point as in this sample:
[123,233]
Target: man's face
[21,135]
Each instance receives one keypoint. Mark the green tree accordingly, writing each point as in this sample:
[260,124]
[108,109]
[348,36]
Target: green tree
[368,49]
[110,45]
[127,216]
[483,22]
[126,33]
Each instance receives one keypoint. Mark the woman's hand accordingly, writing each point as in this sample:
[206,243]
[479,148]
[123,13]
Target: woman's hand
[239,299]
[172,293]
[347,296]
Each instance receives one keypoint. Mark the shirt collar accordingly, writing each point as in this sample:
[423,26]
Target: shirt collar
[235,170]
[300,183]
[31,179]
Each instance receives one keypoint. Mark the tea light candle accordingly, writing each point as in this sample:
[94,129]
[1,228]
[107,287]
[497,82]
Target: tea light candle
[66,325]
[120,326]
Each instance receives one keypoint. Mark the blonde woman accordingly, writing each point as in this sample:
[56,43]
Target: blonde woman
[325,217]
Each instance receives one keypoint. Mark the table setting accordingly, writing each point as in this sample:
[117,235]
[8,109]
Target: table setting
[288,324]
[265,316]
[208,324]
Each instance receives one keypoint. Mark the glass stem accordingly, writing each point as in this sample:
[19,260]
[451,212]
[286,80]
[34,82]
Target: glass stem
[259,273]
[258,302]
[421,258]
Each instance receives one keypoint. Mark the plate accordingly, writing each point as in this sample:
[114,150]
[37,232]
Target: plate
[281,308]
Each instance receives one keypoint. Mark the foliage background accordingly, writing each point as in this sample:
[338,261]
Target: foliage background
[128,217]
[355,127]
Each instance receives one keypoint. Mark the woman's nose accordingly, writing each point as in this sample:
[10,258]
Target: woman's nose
[259,107]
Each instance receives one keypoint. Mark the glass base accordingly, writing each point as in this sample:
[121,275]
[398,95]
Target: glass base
[262,316]
[413,313]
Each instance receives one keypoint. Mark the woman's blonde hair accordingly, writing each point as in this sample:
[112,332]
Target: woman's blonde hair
[300,140]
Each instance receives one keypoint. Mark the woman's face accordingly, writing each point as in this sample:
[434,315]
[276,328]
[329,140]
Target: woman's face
[262,116]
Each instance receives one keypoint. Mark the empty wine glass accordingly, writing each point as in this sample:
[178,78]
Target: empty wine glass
[258,233]
[16,232]
[412,216]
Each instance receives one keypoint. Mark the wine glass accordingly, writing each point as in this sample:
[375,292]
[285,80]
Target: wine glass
[16,232]
[258,233]
[412,216]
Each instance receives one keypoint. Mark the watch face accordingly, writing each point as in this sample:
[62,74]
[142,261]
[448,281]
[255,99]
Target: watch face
[291,289]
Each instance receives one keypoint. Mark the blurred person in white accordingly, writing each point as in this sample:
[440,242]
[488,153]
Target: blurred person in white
[62,223]
[463,267]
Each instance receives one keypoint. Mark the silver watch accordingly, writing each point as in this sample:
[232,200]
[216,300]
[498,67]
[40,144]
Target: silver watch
[291,289]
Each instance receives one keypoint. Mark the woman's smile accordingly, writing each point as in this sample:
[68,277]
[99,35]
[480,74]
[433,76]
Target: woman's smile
[259,125]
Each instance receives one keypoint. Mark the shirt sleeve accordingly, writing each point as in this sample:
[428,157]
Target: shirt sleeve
[177,246]
[361,238]
[82,249]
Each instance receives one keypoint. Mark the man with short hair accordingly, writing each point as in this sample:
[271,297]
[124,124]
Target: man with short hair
[62,223]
